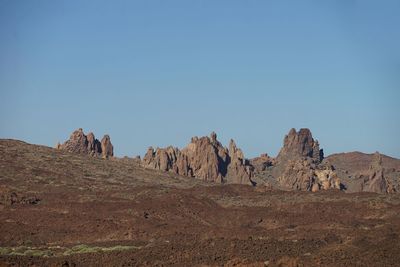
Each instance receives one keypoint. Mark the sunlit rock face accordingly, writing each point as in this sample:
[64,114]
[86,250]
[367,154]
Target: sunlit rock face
[203,158]
[80,143]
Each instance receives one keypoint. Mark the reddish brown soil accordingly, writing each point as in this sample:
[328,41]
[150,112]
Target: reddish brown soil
[176,221]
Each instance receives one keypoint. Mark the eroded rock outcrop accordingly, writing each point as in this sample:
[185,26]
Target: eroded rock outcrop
[307,176]
[298,165]
[376,181]
[107,149]
[204,158]
[80,143]
[239,169]
[300,144]
[262,162]
[207,158]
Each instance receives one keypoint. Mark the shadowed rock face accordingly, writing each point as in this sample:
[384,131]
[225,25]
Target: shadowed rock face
[80,143]
[204,158]
[207,158]
[300,145]
[94,146]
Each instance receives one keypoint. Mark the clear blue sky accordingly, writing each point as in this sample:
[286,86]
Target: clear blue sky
[158,72]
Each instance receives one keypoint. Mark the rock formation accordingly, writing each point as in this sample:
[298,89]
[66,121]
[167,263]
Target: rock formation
[107,149]
[377,181]
[207,158]
[93,145]
[80,143]
[307,176]
[239,170]
[300,145]
[262,162]
[204,158]
[298,165]
[163,159]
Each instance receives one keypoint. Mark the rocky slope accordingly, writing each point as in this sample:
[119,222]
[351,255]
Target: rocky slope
[80,143]
[63,209]
[204,158]
[367,172]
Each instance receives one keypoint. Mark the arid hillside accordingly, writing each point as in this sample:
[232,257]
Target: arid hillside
[63,209]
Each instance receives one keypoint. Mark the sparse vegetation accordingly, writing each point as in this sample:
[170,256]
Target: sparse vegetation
[139,217]
[94,249]
[58,251]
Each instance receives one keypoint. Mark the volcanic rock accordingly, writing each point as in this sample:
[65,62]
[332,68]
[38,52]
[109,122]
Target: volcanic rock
[377,181]
[77,143]
[204,158]
[239,171]
[163,159]
[298,165]
[93,145]
[10,197]
[107,148]
[80,143]
[262,162]
[207,158]
[307,176]
[300,145]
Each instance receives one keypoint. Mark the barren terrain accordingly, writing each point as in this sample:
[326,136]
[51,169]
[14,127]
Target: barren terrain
[61,209]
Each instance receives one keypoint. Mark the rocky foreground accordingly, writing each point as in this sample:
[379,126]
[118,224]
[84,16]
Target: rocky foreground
[61,208]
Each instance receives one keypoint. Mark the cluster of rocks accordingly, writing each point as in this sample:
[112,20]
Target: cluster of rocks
[299,166]
[307,176]
[10,197]
[204,158]
[87,144]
